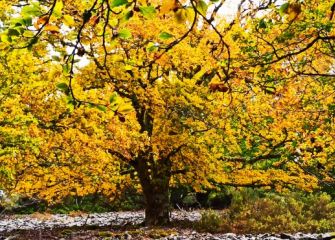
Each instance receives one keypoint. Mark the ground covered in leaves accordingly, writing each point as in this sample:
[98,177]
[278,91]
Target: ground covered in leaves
[121,225]
[148,233]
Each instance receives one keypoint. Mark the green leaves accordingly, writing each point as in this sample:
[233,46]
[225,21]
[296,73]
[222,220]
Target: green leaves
[124,33]
[165,35]
[283,8]
[24,21]
[262,23]
[13,32]
[33,41]
[31,10]
[202,7]
[27,21]
[118,3]
[64,88]
[112,98]
[101,108]
[127,16]
[114,101]
[148,12]
[66,69]
[151,47]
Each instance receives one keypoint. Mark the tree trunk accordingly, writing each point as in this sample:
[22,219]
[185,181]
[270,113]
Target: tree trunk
[155,179]
[157,211]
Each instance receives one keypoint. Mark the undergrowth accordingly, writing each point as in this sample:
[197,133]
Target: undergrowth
[291,212]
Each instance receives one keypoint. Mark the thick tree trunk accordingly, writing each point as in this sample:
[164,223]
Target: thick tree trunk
[155,179]
[157,211]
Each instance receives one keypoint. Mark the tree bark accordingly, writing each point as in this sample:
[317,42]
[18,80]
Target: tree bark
[157,211]
[155,178]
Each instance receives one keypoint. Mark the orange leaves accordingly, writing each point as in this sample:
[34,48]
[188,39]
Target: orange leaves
[163,60]
[94,20]
[169,5]
[220,87]
[44,22]
[52,29]
[41,22]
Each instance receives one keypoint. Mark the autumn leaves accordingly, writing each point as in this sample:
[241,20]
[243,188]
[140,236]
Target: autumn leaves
[168,88]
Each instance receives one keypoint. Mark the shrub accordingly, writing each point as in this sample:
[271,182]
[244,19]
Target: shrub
[129,200]
[211,221]
[258,212]
[185,197]
[219,200]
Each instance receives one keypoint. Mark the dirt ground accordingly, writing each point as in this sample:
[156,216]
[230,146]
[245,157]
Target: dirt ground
[94,234]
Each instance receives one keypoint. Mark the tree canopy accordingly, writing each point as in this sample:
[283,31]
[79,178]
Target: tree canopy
[97,95]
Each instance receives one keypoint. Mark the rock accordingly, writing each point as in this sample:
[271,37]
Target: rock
[328,236]
[214,238]
[286,236]
[230,236]
[127,236]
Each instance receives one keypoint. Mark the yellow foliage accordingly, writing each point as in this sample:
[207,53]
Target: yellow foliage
[144,101]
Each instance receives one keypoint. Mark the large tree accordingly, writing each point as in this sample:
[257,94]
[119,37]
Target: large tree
[169,92]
